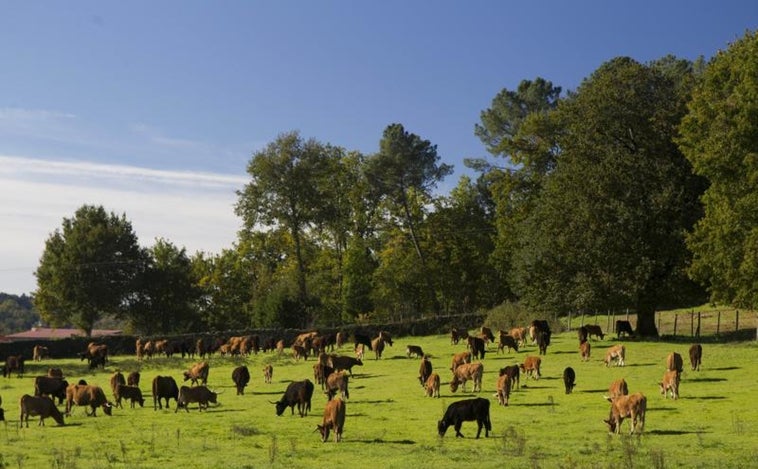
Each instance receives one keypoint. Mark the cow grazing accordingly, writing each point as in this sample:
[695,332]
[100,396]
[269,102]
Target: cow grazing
[43,407]
[424,370]
[569,379]
[52,387]
[624,327]
[486,334]
[531,366]
[466,411]
[164,387]
[543,340]
[696,356]
[39,352]
[581,334]
[513,373]
[477,347]
[632,406]
[133,378]
[191,395]
[298,393]
[334,420]
[670,383]
[584,350]
[595,330]
[503,389]
[617,353]
[457,335]
[94,350]
[13,363]
[414,350]
[131,393]
[198,372]
[241,376]
[674,362]
[506,340]
[340,363]
[432,386]
[466,372]
[268,374]
[117,379]
[377,344]
[337,382]
[459,359]
[519,334]
[87,396]
[617,388]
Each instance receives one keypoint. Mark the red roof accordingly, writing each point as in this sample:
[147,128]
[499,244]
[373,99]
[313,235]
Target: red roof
[39,333]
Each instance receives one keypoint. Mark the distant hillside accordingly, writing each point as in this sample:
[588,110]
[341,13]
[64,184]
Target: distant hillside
[17,313]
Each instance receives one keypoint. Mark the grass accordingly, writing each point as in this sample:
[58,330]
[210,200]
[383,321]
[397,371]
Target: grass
[391,425]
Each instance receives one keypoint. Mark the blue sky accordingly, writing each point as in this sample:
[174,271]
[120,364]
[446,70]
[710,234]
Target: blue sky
[153,109]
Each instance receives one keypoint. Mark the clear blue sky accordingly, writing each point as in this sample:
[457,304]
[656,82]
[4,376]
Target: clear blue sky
[150,107]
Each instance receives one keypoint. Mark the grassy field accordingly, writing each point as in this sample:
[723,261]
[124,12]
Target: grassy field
[391,425]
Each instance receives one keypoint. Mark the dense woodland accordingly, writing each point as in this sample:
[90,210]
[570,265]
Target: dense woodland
[637,190]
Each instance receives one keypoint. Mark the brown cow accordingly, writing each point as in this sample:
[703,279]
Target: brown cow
[39,352]
[506,340]
[87,395]
[133,378]
[268,373]
[298,352]
[340,362]
[513,373]
[95,351]
[519,334]
[597,331]
[200,395]
[116,379]
[617,388]
[13,363]
[240,377]
[337,382]
[377,345]
[465,372]
[530,366]
[360,350]
[477,347]
[334,419]
[198,372]
[341,339]
[42,406]
[503,389]
[55,373]
[632,406]
[617,352]
[670,383]
[424,370]
[131,393]
[432,385]
[486,334]
[457,335]
[459,359]
[584,350]
[696,356]
[674,362]
[49,386]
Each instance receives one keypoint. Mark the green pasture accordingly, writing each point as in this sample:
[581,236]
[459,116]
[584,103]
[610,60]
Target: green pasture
[390,424]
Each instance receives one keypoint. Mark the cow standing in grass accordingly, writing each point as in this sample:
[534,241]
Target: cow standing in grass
[696,356]
[466,372]
[569,379]
[617,353]
[334,420]
[240,377]
[432,386]
[38,406]
[531,366]
[467,410]
[584,350]
[503,389]
[670,383]
[424,370]
[632,406]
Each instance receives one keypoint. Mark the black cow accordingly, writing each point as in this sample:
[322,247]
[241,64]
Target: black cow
[696,356]
[466,411]
[543,340]
[569,379]
[200,395]
[582,334]
[164,387]
[298,393]
[241,376]
[53,387]
[624,327]
[13,363]
[477,346]
[424,370]
[363,339]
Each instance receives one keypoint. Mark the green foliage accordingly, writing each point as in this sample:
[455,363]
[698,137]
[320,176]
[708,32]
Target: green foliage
[508,315]
[719,136]
[17,313]
[89,269]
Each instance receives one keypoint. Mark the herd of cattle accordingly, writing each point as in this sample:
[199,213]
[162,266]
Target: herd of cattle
[332,372]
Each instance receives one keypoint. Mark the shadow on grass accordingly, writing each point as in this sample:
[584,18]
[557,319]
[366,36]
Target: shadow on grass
[641,364]
[535,404]
[703,398]
[672,432]
[380,440]
[593,391]
[662,409]
[267,393]
[726,368]
[705,380]
[380,401]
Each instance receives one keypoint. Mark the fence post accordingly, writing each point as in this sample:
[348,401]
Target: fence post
[718,323]
[697,331]
[569,322]
[676,319]
[582,322]
[659,323]
[692,324]
[737,322]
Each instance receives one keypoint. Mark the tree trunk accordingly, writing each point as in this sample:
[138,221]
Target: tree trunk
[646,319]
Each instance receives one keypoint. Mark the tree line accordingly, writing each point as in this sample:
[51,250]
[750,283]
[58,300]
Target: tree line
[636,190]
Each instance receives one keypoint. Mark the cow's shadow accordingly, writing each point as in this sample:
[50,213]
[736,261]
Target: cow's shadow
[726,368]
[537,404]
[705,380]
[703,398]
[380,440]
[672,432]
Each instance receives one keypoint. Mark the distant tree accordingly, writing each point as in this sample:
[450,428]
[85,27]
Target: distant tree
[719,136]
[17,313]
[88,269]
[404,172]
[167,297]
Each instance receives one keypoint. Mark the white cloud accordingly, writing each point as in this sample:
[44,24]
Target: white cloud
[190,209]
